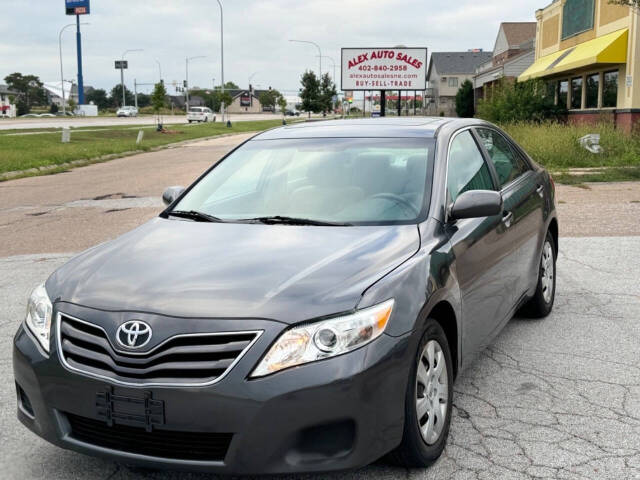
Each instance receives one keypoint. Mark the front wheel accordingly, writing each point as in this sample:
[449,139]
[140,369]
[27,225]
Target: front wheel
[542,302]
[428,401]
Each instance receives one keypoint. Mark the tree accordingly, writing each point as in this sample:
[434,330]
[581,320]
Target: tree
[30,88]
[269,98]
[629,3]
[53,108]
[116,96]
[99,98]
[213,99]
[464,100]
[231,86]
[310,93]
[144,100]
[520,101]
[327,93]
[282,103]
[72,104]
[158,97]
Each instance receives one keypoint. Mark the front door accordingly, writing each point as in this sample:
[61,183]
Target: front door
[485,254]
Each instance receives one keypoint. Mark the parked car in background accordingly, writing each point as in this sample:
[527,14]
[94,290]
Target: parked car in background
[292,112]
[127,111]
[305,305]
[200,115]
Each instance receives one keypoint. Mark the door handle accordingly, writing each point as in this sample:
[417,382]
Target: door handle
[507,219]
[540,190]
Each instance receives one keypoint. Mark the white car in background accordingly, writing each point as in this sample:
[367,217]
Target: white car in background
[127,111]
[200,114]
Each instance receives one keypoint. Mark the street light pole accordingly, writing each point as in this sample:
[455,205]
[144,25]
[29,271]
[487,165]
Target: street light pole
[334,66]
[222,56]
[159,69]
[124,99]
[319,51]
[187,86]
[64,102]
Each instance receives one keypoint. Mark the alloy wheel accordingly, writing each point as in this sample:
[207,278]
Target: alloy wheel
[548,272]
[432,392]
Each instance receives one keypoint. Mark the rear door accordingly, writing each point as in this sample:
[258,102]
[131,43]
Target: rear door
[523,194]
[483,247]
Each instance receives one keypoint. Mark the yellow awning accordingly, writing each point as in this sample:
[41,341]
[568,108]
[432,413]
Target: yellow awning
[611,48]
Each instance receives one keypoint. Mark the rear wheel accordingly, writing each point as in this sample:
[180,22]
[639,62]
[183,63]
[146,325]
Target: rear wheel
[428,401]
[542,302]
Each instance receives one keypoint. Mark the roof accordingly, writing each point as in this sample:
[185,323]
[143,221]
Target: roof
[386,127]
[4,90]
[518,33]
[448,63]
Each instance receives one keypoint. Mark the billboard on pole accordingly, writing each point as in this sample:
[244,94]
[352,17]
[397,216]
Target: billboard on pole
[384,68]
[78,7]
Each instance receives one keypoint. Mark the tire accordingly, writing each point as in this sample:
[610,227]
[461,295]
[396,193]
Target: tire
[541,304]
[420,445]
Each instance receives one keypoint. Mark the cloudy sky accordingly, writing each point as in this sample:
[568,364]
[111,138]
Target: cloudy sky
[256,35]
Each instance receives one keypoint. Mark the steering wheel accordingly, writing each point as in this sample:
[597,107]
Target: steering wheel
[398,199]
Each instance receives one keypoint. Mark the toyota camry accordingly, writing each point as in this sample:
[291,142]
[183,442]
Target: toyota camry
[305,305]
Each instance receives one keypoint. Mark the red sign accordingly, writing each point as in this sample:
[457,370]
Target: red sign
[81,10]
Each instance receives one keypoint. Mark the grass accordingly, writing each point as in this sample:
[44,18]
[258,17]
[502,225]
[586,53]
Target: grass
[24,152]
[556,145]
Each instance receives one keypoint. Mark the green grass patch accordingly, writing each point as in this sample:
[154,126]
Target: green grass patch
[556,146]
[614,174]
[23,152]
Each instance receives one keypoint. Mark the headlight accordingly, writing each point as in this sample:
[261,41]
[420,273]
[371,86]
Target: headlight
[39,316]
[324,339]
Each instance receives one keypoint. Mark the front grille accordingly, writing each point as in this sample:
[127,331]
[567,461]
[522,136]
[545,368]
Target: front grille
[176,445]
[183,359]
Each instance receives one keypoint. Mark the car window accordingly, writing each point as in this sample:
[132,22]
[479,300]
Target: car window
[509,165]
[354,180]
[466,169]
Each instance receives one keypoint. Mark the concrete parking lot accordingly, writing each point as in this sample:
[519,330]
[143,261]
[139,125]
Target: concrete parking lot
[551,398]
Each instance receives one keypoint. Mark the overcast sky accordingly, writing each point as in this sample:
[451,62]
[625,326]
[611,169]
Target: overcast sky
[256,35]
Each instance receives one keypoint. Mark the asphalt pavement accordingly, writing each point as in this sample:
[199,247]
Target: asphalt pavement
[551,398]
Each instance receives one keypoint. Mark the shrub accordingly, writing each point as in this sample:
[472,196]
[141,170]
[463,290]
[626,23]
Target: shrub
[464,100]
[519,102]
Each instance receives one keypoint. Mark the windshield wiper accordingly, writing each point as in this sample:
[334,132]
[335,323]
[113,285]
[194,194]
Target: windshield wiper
[195,216]
[280,220]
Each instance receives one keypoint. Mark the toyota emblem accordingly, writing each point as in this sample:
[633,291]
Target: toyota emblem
[133,334]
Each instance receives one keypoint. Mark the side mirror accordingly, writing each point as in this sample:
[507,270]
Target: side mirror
[476,204]
[170,194]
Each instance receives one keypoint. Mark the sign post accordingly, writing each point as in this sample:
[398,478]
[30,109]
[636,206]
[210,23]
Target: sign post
[122,65]
[384,69]
[77,8]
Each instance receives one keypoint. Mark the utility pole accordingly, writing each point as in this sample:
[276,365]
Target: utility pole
[135,92]
[124,98]
[222,106]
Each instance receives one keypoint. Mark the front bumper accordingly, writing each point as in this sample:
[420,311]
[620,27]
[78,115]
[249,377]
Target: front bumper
[339,413]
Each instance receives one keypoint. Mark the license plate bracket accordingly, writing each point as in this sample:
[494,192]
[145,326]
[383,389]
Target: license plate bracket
[139,411]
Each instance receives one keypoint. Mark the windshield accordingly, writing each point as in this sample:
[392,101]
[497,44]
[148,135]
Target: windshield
[338,180]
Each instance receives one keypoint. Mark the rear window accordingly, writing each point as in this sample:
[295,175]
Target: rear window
[195,110]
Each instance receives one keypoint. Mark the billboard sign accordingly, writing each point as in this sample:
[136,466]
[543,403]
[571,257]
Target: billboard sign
[245,99]
[78,7]
[384,68]
[122,64]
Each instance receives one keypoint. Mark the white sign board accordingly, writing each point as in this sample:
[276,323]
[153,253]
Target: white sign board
[384,68]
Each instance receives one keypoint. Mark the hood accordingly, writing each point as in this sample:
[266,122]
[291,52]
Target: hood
[226,270]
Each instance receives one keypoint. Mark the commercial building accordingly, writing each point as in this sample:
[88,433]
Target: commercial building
[513,53]
[588,53]
[447,71]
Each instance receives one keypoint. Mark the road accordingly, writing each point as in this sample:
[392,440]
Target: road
[552,398]
[29,123]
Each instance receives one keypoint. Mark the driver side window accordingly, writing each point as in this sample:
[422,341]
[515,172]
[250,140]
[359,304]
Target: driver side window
[466,168]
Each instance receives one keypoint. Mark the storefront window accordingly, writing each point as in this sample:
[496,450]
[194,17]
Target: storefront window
[551,90]
[592,86]
[610,90]
[563,91]
[576,93]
